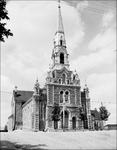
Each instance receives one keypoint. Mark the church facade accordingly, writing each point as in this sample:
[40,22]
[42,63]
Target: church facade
[33,109]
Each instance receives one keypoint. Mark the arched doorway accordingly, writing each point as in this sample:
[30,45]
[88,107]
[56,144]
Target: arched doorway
[55,124]
[74,122]
[66,120]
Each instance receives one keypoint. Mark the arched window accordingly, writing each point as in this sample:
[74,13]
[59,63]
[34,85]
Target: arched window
[53,74]
[61,96]
[66,96]
[73,77]
[67,81]
[61,58]
[61,42]
[63,78]
[59,81]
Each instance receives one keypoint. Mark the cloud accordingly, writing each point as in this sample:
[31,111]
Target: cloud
[6,84]
[103,40]
[103,86]
[98,65]
[101,49]
[81,5]
[94,60]
[107,36]
[107,18]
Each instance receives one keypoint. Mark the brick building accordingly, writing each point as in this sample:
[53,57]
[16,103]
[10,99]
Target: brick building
[33,109]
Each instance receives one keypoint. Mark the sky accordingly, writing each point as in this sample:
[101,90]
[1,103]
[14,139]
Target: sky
[90,31]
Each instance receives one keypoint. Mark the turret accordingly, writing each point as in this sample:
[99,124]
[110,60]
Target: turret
[36,88]
[86,90]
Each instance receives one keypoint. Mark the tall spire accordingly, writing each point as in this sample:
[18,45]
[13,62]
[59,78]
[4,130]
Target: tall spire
[59,53]
[60,22]
[59,39]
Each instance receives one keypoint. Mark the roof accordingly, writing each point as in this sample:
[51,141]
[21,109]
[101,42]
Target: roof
[95,114]
[11,116]
[112,125]
[22,95]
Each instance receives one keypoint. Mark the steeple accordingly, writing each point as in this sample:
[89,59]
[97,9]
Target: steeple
[59,39]
[59,54]
[86,89]
[60,22]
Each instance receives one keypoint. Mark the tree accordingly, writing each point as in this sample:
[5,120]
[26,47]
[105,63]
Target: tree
[81,113]
[56,115]
[4,15]
[56,112]
[82,116]
[104,114]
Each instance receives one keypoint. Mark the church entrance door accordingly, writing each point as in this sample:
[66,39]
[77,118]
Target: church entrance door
[55,124]
[74,122]
[66,119]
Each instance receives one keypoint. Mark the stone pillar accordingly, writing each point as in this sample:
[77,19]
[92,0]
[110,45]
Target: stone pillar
[82,127]
[70,121]
[70,124]
[59,124]
[46,126]
[77,124]
[80,124]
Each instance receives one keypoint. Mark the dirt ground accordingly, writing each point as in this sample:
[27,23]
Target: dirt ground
[27,140]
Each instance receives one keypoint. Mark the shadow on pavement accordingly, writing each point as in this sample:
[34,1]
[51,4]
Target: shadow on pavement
[6,145]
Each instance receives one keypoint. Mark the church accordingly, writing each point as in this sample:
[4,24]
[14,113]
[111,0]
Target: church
[33,110]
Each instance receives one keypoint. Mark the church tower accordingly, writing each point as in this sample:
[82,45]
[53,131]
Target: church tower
[59,54]
[63,85]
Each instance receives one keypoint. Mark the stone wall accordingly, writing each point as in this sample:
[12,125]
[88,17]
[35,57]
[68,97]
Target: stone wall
[18,113]
[27,115]
[53,96]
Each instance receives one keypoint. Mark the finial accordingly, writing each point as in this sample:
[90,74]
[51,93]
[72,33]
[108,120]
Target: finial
[59,4]
[36,87]
[37,80]
[85,83]
[16,88]
[101,104]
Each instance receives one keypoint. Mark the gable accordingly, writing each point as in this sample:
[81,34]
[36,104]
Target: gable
[64,71]
[22,96]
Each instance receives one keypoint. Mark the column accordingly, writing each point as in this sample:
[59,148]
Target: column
[46,126]
[59,124]
[80,123]
[77,124]
[70,121]
[70,124]
[52,124]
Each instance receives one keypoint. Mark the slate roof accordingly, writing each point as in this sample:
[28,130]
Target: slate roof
[22,95]
[11,116]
